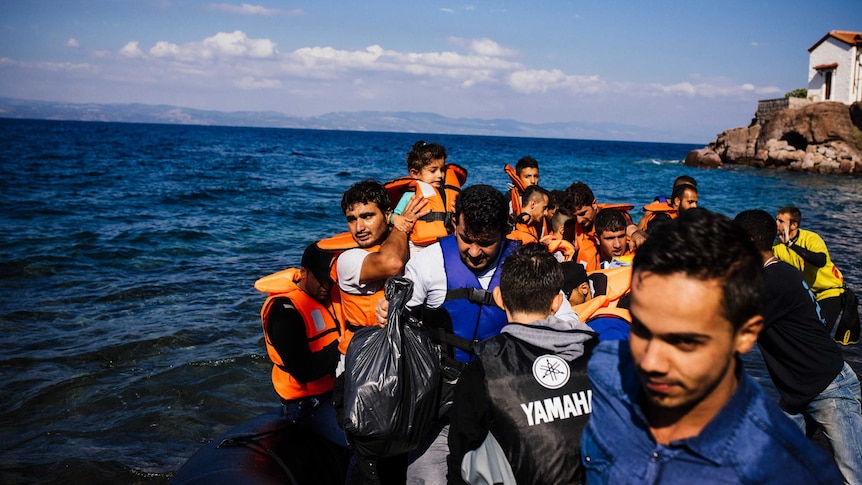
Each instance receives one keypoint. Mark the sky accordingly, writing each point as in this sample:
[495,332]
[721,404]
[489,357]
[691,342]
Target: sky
[692,68]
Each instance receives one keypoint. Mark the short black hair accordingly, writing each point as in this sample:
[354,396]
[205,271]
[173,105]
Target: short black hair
[365,192]
[530,194]
[579,195]
[485,211]
[705,246]
[685,179]
[526,162]
[679,191]
[609,220]
[792,211]
[530,277]
[760,226]
[557,199]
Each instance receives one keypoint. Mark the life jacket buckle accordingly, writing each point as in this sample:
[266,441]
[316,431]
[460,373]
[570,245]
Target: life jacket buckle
[480,296]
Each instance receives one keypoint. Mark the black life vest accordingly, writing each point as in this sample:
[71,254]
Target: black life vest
[540,405]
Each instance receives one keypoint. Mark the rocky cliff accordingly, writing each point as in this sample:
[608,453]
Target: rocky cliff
[818,138]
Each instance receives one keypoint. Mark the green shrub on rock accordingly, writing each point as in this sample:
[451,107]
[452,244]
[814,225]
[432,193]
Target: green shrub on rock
[797,93]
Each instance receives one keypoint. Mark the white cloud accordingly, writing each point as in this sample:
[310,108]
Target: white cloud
[238,44]
[541,81]
[714,89]
[249,82]
[482,47]
[131,50]
[244,9]
[487,47]
[165,49]
[227,45]
[447,10]
[72,42]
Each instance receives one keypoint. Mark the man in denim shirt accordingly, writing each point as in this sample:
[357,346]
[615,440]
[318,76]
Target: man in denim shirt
[674,404]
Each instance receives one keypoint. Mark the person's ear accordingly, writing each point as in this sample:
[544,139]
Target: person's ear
[747,334]
[555,303]
[498,297]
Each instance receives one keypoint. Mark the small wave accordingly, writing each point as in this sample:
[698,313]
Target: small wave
[656,161]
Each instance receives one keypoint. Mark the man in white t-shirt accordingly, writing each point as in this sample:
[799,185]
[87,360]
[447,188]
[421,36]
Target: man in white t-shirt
[381,252]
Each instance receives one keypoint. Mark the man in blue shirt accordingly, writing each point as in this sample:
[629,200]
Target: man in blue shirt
[674,405]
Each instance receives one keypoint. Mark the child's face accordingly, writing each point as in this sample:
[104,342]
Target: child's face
[431,174]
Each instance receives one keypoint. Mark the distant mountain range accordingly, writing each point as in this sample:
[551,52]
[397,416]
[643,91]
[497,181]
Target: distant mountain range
[401,121]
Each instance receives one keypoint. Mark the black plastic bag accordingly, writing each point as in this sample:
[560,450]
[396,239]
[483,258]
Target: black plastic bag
[847,332]
[391,384]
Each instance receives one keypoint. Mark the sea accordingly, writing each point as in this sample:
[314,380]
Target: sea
[129,325]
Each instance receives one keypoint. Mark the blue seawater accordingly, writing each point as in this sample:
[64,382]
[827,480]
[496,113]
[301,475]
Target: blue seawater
[128,253]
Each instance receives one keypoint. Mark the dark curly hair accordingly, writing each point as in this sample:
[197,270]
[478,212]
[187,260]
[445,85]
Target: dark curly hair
[707,246]
[485,211]
[422,153]
[579,195]
[760,226]
[609,220]
[366,192]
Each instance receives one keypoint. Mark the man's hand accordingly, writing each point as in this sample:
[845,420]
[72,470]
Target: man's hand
[636,236]
[414,210]
[784,236]
[381,312]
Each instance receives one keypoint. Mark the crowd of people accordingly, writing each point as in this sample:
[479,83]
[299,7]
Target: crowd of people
[578,346]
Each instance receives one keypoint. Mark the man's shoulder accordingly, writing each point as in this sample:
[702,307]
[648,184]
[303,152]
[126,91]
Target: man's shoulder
[783,272]
[608,363]
[429,259]
[809,238]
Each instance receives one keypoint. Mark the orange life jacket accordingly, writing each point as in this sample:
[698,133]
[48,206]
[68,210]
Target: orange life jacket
[566,248]
[652,209]
[354,311]
[618,284]
[321,329]
[525,233]
[624,208]
[437,223]
[588,251]
[517,191]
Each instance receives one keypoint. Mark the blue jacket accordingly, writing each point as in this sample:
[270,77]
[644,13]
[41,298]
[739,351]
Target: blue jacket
[749,441]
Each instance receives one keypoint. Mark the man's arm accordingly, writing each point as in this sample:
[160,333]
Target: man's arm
[811,257]
[815,255]
[636,236]
[389,261]
[286,331]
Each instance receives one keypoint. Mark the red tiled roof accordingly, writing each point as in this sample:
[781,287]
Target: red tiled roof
[826,66]
[846,36]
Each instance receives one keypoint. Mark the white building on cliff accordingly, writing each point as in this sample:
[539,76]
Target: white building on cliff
[835,67]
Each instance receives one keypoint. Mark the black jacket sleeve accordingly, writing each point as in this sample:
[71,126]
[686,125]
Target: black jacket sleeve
[470,418]
[817,259]
[287,333]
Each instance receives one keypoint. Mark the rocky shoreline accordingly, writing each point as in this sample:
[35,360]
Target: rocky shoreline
[823,137]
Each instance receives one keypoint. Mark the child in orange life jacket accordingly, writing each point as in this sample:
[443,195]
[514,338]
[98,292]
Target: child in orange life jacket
[437,182]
